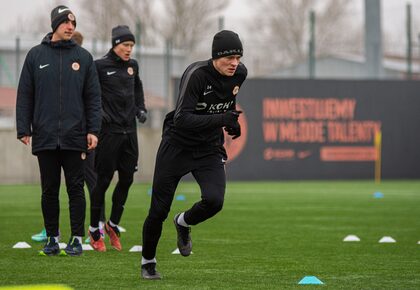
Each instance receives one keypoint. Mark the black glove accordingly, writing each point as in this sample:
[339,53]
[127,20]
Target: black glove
[230,118]
[141,116]
[234,131]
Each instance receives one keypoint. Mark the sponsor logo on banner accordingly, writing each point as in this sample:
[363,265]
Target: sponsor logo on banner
[290,123]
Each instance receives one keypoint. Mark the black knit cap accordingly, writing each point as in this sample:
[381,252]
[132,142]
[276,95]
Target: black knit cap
[60,14]
[120,34]
[226,43]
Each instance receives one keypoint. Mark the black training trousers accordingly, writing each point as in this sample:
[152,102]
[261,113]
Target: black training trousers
[172,163]
[115,152]
[50,164]
[91,177]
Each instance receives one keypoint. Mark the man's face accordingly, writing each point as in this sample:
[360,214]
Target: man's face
[227,65]
[64,31]
[124,49]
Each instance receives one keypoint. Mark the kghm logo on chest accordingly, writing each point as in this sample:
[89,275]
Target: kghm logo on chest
[214,108]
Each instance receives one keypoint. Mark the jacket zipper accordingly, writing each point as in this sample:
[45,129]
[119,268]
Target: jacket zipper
[59,99]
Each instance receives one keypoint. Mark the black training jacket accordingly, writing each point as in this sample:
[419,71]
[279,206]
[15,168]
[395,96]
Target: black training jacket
[204,94]
[58,99]
[122,93]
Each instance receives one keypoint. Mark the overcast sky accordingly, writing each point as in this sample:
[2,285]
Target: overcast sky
[393,14]
[13,10]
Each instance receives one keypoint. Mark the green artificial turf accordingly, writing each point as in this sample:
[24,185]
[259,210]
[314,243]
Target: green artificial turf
[269,235]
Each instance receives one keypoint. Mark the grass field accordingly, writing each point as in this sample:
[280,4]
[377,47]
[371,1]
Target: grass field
[268,236]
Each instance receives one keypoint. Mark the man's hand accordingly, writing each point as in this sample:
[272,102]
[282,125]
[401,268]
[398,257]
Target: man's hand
[234,131]
[141,116]
[230,118]
[92,141]
[25,140]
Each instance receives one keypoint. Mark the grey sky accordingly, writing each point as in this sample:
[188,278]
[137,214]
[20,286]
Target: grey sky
[15,13]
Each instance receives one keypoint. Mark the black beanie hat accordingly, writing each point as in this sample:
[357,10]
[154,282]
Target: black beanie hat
[60,14]
[120,34]
[226,43]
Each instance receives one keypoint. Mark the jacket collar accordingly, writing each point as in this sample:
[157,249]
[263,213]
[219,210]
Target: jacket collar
[214,71]
[57,44]
[112,55]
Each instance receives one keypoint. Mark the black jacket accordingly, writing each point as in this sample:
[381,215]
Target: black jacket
[58,99]
[122,93]
[204,94]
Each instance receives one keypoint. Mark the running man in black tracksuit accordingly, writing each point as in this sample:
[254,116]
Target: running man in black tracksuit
[122,101]
[193,141]
[59,106]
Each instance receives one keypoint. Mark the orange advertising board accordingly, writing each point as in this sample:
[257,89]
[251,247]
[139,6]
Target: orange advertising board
[348,153]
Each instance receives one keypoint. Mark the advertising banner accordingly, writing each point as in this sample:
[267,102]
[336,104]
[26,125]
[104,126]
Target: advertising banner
[326,129]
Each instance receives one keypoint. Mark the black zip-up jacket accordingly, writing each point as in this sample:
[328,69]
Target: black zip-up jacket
[204,94]
[58,99]
[122,93]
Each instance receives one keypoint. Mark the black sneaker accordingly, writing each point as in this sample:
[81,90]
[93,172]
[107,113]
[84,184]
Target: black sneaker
[184,239]
[74,248]
[148,272]
[51,248]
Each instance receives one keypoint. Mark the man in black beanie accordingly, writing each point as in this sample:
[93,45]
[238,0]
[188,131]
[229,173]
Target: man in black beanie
[192,142]
[120,34]
[58,105]
[61,14]
[122,102]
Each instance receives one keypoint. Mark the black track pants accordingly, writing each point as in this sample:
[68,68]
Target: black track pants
[50,164]
[172,164]
[115,152]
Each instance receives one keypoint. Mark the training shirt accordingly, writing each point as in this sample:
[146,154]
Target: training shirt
[204,94]
[122,93]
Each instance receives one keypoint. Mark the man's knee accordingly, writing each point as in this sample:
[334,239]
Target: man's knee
[158,213]
[125,180]
[104,179]
[214,204]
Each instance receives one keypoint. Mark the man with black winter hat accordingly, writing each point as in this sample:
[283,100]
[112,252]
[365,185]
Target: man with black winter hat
[192,142]
[122,101]
[120,34]
[61,14]
[58,105]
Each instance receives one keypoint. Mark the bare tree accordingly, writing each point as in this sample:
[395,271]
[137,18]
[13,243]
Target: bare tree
[142,13]
[191,21]
[39,22]
[284,25]
[105,14]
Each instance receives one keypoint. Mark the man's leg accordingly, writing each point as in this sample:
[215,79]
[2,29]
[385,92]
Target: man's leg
[171,164]
[106,157]
[73,166]
[50,171]
[96,239]
[119,198]
[98,197]
[74,172]
[211,177]
[126,166]
[91,177]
